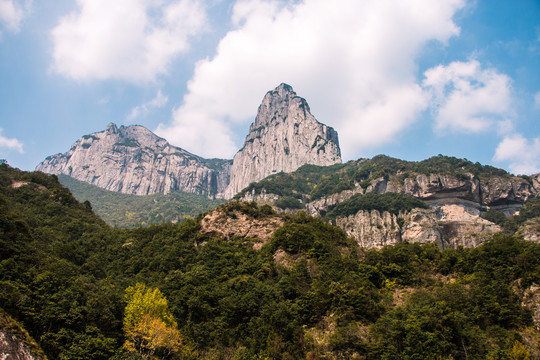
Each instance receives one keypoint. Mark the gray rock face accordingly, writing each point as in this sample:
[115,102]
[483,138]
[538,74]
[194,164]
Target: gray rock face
[133,160]
[449,227]
[284,136]
[371,228]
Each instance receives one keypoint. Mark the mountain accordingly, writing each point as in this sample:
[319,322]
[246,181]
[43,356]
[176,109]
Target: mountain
[283,137]
[133,160]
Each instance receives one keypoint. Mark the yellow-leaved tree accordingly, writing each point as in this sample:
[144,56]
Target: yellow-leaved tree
[149,326]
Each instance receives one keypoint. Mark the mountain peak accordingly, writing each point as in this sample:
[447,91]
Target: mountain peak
[276,105]
[283,137]
[283,90]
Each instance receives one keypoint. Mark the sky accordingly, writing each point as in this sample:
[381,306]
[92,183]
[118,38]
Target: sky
[407,78]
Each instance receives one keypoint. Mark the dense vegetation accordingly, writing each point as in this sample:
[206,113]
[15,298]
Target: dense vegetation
[312,182]
[530,211]
[82,289]
[394,203]
[129,211]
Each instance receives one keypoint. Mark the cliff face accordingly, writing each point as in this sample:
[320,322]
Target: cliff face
[284,136]
[506,194]
[134,160]
[453,220]
[448,226]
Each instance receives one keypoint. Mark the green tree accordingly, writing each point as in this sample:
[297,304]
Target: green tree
[149,326]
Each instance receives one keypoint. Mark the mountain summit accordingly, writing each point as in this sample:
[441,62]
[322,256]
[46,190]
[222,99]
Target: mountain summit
[283,137]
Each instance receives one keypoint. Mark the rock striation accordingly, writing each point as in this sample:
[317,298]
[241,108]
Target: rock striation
[283,137]
[133,160]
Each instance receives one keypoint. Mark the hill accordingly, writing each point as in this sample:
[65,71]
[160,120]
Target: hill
[129,211]
[299,288]
[383,201]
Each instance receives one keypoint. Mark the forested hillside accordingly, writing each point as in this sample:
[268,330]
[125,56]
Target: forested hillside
[129,211]
[85,290]
[310,182]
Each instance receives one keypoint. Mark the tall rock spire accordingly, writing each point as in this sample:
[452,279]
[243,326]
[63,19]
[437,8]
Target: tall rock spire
[283,137]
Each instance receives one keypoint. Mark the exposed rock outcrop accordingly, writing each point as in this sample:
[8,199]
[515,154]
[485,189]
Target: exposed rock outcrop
[531,230]
[371,228]
[448,226]
[238,224]
[11,347]
[133,160]
[420,225]
[460,227]
[531,300]
[284,136]
[15,343]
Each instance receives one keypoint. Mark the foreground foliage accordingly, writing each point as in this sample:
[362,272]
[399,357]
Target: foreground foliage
[149,327]
[75,284]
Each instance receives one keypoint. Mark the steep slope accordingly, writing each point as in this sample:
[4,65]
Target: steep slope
[284,136]
[133,160]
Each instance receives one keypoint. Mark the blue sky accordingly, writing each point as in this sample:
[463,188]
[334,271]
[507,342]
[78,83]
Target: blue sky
[406,78]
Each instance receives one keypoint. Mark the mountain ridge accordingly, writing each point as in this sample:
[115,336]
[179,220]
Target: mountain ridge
[133,160]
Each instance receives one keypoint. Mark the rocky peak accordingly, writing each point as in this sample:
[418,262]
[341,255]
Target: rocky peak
[112,128]
[133,160]
[277,101]
[283,137]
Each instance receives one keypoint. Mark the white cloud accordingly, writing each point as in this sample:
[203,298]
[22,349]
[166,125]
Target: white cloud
[10,143]
[468,98]
[354,61]
[142,110]
[12,13]
[133,40]
[522,154]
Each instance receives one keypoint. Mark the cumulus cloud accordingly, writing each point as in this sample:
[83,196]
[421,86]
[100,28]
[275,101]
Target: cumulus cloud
[142,110]
[522,154]
[354,62]
[12,13]
[468,98]
[133,40]
[11,144]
